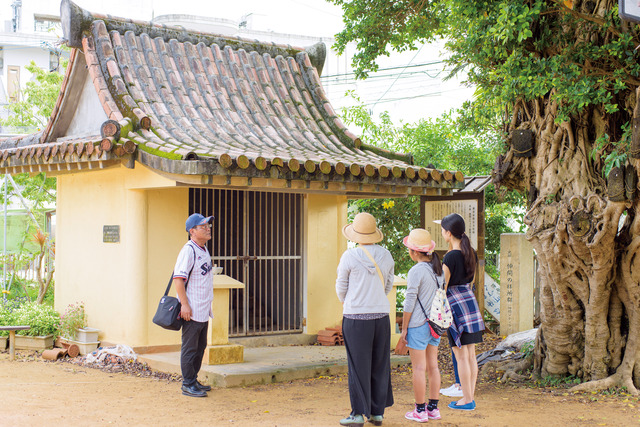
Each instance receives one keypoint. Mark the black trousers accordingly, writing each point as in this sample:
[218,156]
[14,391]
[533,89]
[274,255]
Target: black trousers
[194,342]
[368,344]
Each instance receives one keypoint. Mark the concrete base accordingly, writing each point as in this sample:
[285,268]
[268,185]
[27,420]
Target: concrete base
[223,354]
[266,365]
[275,340]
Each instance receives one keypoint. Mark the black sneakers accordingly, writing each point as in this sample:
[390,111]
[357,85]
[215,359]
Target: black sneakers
[202,387]
[193,391]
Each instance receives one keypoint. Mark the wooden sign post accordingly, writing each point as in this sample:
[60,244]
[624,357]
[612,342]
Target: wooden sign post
[516,283]
[469,205]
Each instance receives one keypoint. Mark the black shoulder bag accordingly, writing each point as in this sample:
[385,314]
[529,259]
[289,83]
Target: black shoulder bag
[168,312]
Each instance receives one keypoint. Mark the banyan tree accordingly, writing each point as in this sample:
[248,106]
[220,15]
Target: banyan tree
[560,81]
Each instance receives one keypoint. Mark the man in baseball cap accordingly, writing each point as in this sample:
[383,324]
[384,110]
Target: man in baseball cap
[193,279]
[197,219]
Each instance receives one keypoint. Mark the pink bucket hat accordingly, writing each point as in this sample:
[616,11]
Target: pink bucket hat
[420,240]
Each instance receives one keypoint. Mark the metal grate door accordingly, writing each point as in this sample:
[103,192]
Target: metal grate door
[257,239]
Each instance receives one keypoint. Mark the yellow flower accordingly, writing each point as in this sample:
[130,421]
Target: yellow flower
[389,204]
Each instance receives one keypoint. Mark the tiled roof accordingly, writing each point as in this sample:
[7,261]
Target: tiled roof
[173,96]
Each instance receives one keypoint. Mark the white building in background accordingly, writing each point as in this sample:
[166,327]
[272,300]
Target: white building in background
[29,31]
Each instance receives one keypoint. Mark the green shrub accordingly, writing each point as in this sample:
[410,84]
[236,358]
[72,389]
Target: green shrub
[7,315]
[400,290]
[44,320]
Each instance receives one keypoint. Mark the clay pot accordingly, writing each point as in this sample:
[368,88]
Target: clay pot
[634,150]
[522,142]
[630,182]
[615,185]
[581,223]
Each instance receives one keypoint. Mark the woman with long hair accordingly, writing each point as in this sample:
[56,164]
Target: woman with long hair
[423,281]
[459,265]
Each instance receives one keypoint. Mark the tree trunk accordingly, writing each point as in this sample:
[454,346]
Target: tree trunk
[588,265]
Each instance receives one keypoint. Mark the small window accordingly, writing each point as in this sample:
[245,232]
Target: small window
[46,24]
[13,83]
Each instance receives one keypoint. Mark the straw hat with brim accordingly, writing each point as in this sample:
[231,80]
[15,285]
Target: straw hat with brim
[420,240]
[363,229]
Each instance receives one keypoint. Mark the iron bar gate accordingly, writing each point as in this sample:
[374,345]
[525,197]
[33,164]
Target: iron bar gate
[257,239]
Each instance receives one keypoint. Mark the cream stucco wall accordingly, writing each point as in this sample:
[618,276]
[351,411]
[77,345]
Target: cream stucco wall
[166,236]
[111,279]
[121,283]
[326,215]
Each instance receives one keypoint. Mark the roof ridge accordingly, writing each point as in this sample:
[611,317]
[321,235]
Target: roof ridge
[76,22]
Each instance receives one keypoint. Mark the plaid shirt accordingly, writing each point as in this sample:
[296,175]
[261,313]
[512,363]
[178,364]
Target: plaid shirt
[466,313]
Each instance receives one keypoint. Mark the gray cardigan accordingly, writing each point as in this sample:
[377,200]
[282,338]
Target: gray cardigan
[358,284]
[422,282]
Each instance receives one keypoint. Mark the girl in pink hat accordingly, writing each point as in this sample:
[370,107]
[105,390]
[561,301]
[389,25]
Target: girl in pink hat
[423,281]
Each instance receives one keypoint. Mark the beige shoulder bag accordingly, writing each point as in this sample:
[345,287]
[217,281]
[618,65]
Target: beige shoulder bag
[374,263]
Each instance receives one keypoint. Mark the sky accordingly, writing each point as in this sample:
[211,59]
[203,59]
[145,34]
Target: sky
[409,85]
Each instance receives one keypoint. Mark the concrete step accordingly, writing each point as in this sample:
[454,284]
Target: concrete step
[265,365]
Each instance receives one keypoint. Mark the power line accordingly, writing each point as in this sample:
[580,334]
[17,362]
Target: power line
[420,75]
[404,98]
[394,82]
[386,69]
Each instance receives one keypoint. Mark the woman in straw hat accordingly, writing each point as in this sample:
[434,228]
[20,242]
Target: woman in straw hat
[423,281]
[365,277]
[466,331]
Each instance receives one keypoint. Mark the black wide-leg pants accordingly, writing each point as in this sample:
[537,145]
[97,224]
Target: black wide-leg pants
[194,342]
[368,344]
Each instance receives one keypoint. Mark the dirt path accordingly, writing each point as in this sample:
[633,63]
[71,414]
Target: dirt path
[34,392]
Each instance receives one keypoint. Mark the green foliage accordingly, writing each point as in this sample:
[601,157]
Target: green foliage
[491,268]
[527,348]
[7,316]
[36,101]
[616,153]
[438,142]
[435,143]
[579,57]
[503,214]
[43,319]
[400,293]
[28,291]
[39,189]
[395,218]
[73,318]
[558,381]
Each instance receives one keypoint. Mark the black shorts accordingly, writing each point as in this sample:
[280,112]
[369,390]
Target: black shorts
[467,338]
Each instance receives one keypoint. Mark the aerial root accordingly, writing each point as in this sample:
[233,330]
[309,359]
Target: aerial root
[615,380]
[509,368]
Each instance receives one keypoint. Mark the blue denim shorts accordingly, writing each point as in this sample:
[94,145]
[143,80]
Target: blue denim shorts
[420,337]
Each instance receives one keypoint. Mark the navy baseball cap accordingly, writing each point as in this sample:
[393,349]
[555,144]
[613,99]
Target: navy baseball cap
[196,219]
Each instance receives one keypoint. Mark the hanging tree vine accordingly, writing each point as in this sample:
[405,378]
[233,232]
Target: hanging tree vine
[560,80]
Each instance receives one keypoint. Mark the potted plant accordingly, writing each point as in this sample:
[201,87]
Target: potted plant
[44,322]
[74,330]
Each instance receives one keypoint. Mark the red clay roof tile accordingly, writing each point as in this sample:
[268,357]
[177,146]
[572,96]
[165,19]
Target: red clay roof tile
[222,98]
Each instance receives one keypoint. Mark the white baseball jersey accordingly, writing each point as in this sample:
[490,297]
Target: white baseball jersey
[200,285]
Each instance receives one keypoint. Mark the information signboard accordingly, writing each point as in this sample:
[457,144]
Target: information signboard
[629,10]
[434,210]
[111,234]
